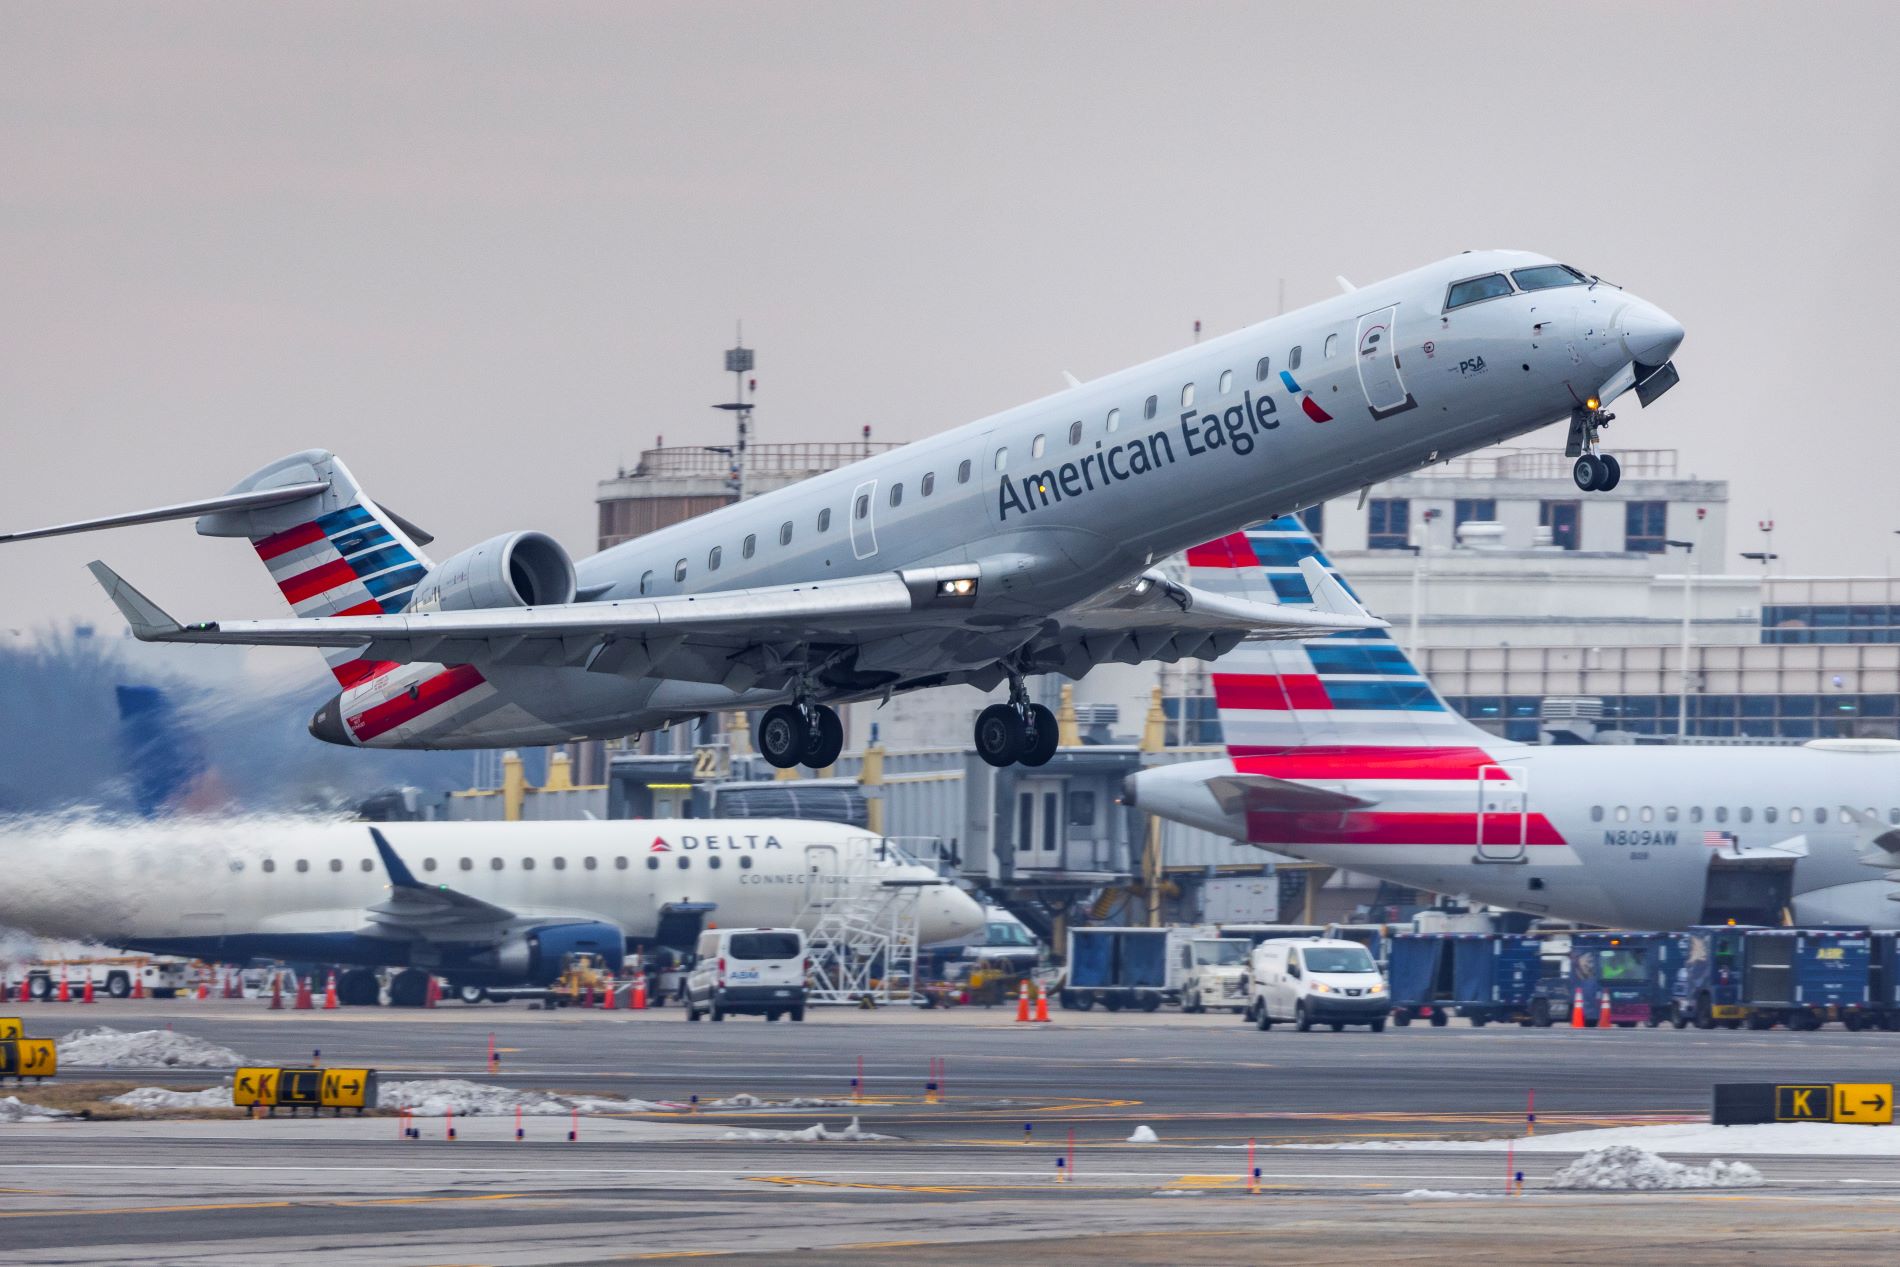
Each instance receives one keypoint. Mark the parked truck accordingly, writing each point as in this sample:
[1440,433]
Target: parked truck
[1483,977]
[115,976]
[1625,979]
[1763,977]
[1213,973]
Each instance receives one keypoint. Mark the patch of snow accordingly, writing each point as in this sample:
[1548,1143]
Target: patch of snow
[1627,1168]
[156,1099]
[438,1097]
[1144,1135]
[1807,1139]
[812,1134]
[106,1048]
[13,1109]
[745,1101]
[1438,1194]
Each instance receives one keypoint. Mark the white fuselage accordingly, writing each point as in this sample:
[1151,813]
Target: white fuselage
[1625,836]
[199,886]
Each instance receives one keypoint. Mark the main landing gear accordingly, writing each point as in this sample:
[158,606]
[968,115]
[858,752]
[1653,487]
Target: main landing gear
[1017,732]
[1594,472]
[801,734]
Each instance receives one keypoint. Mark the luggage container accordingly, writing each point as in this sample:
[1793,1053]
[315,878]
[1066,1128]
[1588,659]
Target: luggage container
[1118,967]
[1483,977]
[1763,977]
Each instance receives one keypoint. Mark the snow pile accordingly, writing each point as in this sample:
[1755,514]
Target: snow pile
[1627,1168]
[159,1099]
[812,1134]
[108,1048]
[1144,1135]
[13,1109]
[744,1101]
[437,1097]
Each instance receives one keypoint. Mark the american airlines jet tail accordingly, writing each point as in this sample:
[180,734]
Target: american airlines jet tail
[1339,751]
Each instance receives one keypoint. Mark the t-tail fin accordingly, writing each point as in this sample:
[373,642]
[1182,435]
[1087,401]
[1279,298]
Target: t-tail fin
[1344,691]
[333,552]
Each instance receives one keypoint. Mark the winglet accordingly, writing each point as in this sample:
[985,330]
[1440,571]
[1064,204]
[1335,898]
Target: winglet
[149,621]
[1331,597]
[399,873]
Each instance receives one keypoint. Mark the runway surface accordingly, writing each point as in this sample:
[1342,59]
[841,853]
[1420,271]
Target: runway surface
[957,1182]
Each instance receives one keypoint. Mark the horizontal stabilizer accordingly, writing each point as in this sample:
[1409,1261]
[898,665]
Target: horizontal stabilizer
[257,499]
[148,620]
[1261,793]
[1330,596]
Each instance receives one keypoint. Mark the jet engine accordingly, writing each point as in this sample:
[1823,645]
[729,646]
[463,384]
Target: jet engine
[516,569]
[535,954]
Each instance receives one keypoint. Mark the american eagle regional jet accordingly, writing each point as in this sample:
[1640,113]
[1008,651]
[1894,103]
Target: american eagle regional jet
[1022,543]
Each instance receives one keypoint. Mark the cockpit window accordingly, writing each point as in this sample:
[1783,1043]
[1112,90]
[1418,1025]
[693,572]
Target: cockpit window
[1478,288]
[1545,276]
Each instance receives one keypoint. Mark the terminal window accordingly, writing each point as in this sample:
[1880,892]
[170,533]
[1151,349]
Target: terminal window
[1645,527]
[1561,518]
[1387,523]
[1470,509]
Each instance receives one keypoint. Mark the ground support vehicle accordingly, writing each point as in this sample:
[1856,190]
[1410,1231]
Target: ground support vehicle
[1120,967]
[1763,977]
[1315,981]
[757,971]
[1214,974]
[1484,977]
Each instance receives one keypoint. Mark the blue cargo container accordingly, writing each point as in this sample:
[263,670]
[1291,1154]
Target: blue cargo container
[1762,977]
[1117,967]
[1484,977]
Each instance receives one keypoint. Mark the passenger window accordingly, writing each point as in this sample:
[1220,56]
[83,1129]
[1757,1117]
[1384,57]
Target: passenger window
[1695,813]
[1075,432]
[897,494]
[1226,381]
[1002,458]
[785,533]
[1148,409]
[679,570]
[1747,814]
[1332,346]
[560,864]
[527,864]
[824,520]
[745,863]
[1114,420]
[1293,359]
[1820,815]
[1670,813]
[1260,370]
[929,484]
[1645,814]
[713,862]
[1622,813]
[366,865]
[620,863]
[1037,445]
[1794,815]
[468,864]
[1893,816]
[646,582]
[336,864]
[590,863]
[712,559]
[1721,813]
[494,864]
[963,471]
[1476,290]
[751,544]
[685,862]
[653,864]
[303,864]
[428,864]
[864,505]
[1187,396]
[269,865]
[1768,814]
[1596,813]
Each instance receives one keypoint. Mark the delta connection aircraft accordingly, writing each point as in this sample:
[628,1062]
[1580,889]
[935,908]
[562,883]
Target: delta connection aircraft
[1021,543]
[1340,752]
[482,904]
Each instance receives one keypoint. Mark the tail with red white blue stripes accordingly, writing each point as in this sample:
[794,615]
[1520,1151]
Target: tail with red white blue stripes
[332,553]
[1343,692]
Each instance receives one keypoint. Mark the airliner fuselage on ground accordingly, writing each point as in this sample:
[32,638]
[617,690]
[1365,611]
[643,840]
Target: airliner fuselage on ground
[1017,544]
[1340,752]
[483,904]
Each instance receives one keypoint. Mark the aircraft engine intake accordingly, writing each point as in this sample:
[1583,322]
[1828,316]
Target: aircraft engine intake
[516,569]
[535,954]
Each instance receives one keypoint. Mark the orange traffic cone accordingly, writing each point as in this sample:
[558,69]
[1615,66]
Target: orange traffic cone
[233,984]
[276,991]
[1022,1000]
[86,995]
[138,985]
[611,996]
[329,994]
[65,989]
[639,1000]
[1042,1004]
[304,1002]
[204,990]
[1576,1009]
[1605,1014]
[434,994]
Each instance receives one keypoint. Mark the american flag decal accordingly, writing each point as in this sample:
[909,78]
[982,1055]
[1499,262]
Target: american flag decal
[1719,839]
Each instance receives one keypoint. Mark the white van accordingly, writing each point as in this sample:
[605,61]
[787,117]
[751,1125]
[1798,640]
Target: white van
[757,970]
[1316,981]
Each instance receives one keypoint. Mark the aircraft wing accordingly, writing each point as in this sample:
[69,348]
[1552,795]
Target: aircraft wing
[417,908]
[738,637]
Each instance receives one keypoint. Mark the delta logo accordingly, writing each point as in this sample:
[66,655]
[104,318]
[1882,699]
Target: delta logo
[660,846]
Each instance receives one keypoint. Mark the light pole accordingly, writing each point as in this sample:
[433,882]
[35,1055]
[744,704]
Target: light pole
[739,362]
[1688,600]
[1419,547]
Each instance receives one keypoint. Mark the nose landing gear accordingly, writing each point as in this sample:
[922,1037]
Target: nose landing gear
[1594,472]
[803,733]
[1016,733]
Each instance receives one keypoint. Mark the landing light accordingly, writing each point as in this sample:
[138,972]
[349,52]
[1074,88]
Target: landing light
[960,588]
[1592,403]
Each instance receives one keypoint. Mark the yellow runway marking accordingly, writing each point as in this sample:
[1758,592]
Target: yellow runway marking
[795,1181]
[90,1211]
[1201,1181]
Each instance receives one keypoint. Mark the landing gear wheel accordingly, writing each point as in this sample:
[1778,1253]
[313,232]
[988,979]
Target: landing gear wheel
[999,734]
[1044,734]
[783,736]
[825,740]
[409,988]
[358,987]
[1613,473]
[1589,472]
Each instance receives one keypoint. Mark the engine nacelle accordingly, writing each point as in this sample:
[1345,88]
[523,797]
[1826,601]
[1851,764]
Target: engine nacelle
[516,569]
[535,955]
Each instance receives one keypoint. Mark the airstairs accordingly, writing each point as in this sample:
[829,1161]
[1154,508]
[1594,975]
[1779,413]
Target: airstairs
[861,924]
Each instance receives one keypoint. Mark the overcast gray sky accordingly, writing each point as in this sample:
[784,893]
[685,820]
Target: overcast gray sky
[487,252]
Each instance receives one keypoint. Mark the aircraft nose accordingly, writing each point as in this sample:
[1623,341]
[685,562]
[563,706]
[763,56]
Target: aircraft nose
[327,724]
[1650,336]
